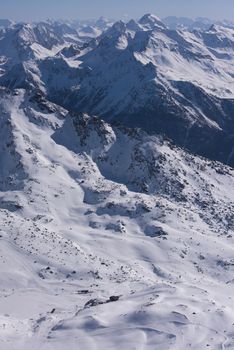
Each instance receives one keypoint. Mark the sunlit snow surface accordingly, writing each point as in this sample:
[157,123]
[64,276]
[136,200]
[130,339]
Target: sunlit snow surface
[90,212]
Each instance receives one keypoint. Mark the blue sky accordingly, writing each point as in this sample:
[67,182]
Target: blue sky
[82,9]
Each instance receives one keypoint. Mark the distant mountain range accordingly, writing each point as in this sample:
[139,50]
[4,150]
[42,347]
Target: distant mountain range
[199,23]
[174,82]
[103,23]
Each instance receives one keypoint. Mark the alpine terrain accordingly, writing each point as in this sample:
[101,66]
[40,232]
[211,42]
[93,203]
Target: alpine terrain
[117,185]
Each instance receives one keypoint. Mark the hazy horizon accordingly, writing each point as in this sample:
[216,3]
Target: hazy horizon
[26,10]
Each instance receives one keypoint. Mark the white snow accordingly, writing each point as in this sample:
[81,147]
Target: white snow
[95,212]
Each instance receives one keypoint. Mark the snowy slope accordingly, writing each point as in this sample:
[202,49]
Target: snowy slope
[110,238]
[179,83]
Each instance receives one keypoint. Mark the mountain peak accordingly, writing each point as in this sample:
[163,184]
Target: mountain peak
[151,21]
[119,26]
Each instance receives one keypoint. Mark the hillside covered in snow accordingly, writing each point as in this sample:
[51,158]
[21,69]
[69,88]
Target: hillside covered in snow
[116,186]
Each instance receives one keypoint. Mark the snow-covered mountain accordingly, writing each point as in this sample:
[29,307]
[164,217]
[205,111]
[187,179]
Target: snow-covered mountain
[200,23]
[115,231]
[109,236]
[86,29]
[178,83]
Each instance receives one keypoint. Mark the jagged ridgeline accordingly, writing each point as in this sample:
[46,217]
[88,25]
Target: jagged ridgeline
[174,80]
